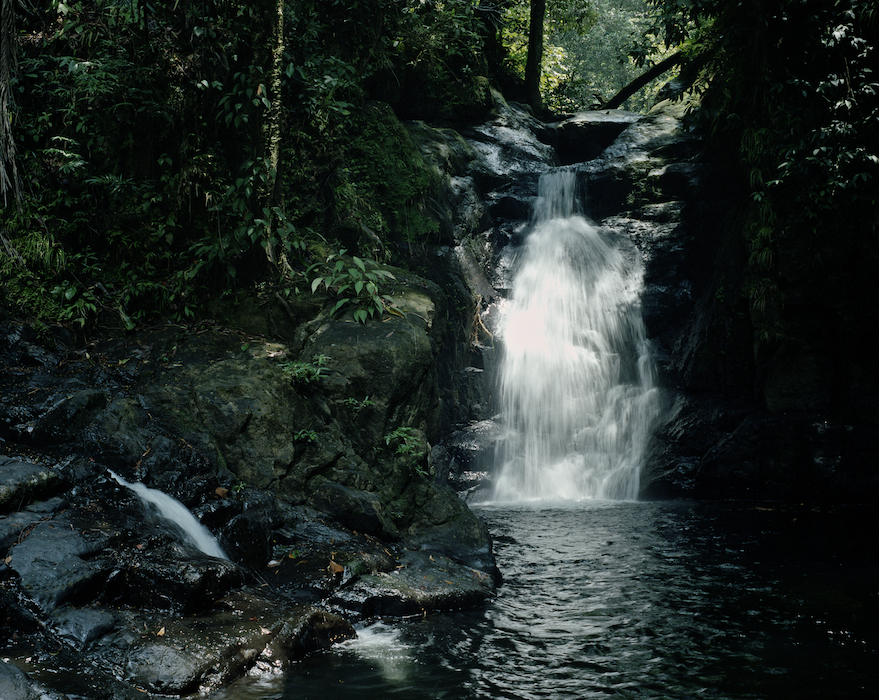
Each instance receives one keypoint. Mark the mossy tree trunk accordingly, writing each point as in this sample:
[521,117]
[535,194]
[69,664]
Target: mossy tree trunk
[534,61]
[273,125]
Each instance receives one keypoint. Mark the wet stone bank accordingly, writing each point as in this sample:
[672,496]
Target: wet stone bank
[105,599]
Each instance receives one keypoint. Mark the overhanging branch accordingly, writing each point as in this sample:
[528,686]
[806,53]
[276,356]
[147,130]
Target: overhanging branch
[655,71]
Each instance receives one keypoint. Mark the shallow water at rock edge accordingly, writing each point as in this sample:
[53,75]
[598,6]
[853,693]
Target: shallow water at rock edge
[634,600]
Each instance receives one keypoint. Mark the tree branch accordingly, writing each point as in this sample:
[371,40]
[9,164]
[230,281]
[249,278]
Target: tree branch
[655,71]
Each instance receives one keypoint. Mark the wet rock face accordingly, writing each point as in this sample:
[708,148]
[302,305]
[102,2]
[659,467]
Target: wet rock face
[98,583]
[745,419]
[585,136]
[311,485]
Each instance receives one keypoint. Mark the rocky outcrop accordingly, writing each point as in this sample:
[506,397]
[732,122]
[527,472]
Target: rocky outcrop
[585,136]
[300,438]
[747,415]
[745,418]
[307,456]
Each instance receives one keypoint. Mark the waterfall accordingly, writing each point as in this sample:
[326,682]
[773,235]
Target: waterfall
[173,511]
[577,390]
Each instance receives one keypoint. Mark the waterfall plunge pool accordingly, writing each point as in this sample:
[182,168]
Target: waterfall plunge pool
[615,599]
[634,600]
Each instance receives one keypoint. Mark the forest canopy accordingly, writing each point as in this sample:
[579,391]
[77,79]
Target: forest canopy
[156,154]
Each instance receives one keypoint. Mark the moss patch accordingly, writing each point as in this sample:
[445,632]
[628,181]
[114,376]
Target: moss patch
[384,180]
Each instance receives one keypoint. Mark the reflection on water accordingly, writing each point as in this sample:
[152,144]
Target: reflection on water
[638,600]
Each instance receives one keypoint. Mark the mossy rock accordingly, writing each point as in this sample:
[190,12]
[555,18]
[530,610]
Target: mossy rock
[381,189]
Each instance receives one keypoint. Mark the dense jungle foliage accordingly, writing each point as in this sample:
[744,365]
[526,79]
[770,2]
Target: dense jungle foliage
[157,154]
[169,151]
[790,93]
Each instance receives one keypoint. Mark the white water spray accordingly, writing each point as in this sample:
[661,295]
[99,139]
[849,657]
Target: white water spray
[174,511]
[577,379]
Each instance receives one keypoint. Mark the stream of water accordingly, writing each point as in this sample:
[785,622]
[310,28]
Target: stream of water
[578,398]
[175,515]
[634,600]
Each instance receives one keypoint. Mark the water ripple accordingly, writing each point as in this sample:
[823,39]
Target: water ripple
[639,600]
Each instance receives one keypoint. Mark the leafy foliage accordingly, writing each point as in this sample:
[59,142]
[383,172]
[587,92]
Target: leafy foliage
[593,48]
[792,86]
[408,442]
[803,109]
[302,373]
[355,283]
[142,133]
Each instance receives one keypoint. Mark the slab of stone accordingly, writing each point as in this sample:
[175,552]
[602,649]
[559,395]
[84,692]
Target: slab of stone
[203,652]
[423,583]
[53,562]
[22,482]
[79,626]
[585,135]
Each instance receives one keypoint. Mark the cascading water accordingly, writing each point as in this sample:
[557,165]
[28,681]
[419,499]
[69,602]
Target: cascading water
[577,381]
[173,511]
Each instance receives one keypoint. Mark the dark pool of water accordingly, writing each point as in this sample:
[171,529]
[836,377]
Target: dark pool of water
[635,600]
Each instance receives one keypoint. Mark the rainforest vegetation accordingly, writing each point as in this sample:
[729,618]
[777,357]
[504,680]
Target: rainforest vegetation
[157,154]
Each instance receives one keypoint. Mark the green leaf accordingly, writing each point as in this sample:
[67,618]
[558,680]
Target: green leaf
[360,316]
[126,320]
[358,262]
[338,305]
[315,283]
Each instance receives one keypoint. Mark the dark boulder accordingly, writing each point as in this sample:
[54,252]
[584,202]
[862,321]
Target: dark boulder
[15,684]
[586,135]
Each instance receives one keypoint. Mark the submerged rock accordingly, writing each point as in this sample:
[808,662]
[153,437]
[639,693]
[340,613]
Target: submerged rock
[15,684]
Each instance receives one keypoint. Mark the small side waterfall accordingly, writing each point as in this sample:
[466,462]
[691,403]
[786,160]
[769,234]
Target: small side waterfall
[577,380]
[177,514]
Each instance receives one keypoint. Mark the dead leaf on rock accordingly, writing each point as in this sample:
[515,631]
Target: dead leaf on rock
[336,568]
[161,632]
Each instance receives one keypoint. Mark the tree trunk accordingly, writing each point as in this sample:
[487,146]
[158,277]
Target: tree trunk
[534,62]
[273,124]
